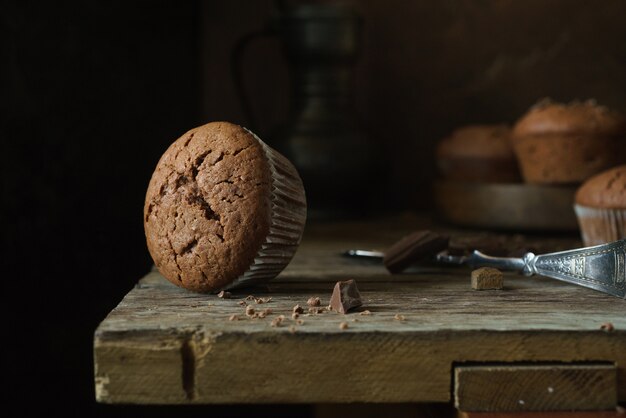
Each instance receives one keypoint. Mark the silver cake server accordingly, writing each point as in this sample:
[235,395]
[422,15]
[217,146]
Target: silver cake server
[601,267]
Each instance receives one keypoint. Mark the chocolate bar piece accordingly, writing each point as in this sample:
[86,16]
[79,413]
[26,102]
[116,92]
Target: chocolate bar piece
[345,296]
[418,246]
[487,278]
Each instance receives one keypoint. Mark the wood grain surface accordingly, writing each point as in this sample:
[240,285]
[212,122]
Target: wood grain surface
[562,414]
[532,387]
[166,345]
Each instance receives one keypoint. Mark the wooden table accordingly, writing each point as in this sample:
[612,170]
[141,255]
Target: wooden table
[165,345]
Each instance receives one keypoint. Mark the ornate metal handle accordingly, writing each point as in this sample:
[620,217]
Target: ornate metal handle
[602,267]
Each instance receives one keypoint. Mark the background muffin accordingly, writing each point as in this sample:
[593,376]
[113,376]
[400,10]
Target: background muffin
[222,209]
[567,143]
[601,207]
[478,153]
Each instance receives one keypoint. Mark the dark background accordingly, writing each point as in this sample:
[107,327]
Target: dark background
[92,92]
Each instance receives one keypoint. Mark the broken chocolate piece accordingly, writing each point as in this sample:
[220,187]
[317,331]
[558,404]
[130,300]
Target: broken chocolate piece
[345,296]
[418,246]
[487,278]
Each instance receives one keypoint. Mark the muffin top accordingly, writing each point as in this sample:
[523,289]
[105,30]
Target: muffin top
[587,117]
[606,190]
[207,208]
[476,141]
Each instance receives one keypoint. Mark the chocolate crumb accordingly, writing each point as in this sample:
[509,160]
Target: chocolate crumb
[399,317]
[224,295]
[298,309]
[365,312]
[250,297]
[267,311]
[249,310]
[343,325]
[263,300]
[300,321]
[261,314]
[276,322]
[242,303]
[607,327]
[313,311]
[345,296]
[314,301]
[295,315]
[233,317]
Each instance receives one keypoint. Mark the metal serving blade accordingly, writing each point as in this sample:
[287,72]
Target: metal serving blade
[601,267]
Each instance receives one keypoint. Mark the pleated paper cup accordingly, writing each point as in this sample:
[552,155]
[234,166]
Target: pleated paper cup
[599,226]
[287,219]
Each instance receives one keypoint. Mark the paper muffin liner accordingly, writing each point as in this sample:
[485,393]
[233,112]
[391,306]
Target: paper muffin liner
[287,219]
[599,226]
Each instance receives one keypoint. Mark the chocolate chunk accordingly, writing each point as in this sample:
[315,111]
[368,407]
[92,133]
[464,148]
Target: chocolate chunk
[345,296]
[418,246]
[487,278]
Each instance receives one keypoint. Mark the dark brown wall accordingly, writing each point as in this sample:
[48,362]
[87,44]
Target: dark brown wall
[429,66]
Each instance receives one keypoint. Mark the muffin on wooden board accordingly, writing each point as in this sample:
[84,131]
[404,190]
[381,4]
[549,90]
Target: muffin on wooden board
[478,153]
[601,207]
[223,210]
[567,143]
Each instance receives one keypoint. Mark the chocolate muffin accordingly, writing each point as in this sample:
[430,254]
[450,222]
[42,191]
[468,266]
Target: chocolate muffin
[222,210]
[567,143]
[478,153]
[601,207]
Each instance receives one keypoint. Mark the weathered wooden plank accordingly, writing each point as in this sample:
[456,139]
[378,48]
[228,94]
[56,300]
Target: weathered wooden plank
[555,387]
[163,344]
[376,359]
[553,414]
[150,367]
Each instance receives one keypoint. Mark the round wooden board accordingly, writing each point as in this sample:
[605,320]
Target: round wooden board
[511,206]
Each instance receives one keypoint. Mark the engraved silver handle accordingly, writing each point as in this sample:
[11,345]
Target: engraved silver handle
[601,267]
